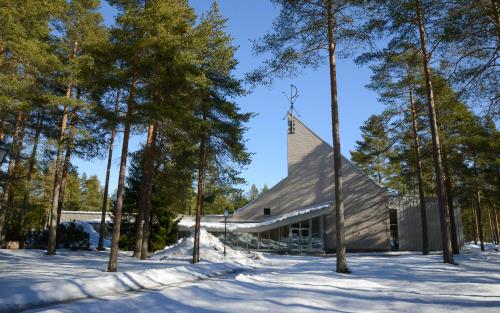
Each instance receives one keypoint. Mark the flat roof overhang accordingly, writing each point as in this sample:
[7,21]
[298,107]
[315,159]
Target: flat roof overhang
[215,223]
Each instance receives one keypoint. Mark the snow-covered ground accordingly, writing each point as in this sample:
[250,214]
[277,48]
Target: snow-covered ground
[382,282]
[29,278]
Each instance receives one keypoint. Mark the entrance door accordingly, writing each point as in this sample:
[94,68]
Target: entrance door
[301,237]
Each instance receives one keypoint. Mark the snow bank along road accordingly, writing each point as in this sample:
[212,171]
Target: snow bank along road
[379,283]
[29,278]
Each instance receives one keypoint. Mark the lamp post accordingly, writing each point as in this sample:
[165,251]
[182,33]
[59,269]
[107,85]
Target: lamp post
[226,213]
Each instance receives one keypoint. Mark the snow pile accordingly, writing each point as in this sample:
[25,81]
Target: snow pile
[211,249]
[488,246]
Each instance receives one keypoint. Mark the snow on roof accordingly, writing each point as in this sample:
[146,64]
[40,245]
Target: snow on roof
[245,226]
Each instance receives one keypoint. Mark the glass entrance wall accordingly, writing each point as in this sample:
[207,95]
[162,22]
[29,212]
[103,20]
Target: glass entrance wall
[303,237]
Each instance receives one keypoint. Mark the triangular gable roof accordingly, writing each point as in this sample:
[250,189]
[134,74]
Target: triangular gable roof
[301,143]
[310,177]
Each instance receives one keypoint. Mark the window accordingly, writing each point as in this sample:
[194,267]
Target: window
[316,238]
[267,211]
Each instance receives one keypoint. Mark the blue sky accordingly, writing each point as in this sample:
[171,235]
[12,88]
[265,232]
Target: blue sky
[267,131]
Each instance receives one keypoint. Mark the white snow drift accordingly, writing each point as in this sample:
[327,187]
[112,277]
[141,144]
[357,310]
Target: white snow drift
[211,249]
[93,234]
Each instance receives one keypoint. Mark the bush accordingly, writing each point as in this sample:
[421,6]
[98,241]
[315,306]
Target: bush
[69,235]
[75,237]
[127,234]
[37,239]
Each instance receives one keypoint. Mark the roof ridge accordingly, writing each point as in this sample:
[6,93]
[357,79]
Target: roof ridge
[343,156]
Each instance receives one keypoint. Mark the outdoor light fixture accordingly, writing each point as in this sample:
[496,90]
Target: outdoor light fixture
[226,214]
[4,149]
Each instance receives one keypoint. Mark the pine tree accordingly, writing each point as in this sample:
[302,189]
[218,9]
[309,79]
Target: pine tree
[31,166]
[17,141]
[91,193]
[406,22]
[464,139]
[126,46]
[371,153]
[253,193]
[26,57]
[102,228]
[171,188]
[471,44]
[165,103]
[147,187]
[81,28]
[436,142]
[66,163]
[140,55]
[264,189]
[302,33]
[73,200]
[397,78]
[219,124]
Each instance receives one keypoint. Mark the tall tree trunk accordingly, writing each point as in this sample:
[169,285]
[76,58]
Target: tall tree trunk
[139,225]
[337,157]
[478,211]
[113,257]
[143,196]
[148,179]
[15,176]
[475,229]
[420,179]
[436,144]
[490,224]
[31,166]
[449,199]
[102,228]
[199,199]
[67,160]
[3,45]
[58,170]
[3,124]
[497,205]
[57,180]
[17,157]
[497,228]
[15,150]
